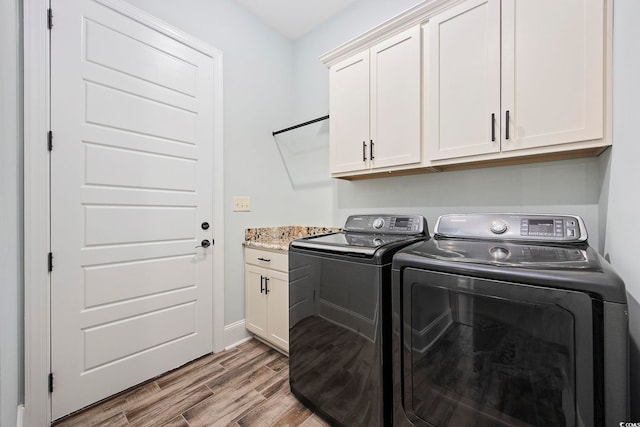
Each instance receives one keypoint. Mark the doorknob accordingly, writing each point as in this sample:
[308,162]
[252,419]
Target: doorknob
[204,244]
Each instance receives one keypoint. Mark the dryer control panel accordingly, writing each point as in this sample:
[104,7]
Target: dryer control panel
[387,224]
[521,227]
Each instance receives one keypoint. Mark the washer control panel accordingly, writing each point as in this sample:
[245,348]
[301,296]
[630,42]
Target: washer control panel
[387,224]
[523,227]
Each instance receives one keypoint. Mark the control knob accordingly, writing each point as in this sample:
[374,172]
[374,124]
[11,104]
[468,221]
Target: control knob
[498,226]
[378,223]
[499,253]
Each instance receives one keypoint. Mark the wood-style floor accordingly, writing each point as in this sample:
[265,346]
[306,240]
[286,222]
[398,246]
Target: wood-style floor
[244,386]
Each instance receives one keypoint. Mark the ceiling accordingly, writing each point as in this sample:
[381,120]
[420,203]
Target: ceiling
[294,18]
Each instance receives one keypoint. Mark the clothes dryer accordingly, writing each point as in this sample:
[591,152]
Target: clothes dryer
[508,319]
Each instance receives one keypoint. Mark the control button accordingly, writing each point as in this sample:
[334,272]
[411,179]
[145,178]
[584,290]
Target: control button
[499,253]
[571,223]
[498,226]
[571,232]
[378,223]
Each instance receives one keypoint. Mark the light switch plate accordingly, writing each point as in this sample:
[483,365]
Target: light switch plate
[241,203]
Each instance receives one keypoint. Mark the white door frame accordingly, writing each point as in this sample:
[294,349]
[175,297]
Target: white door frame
[36,197]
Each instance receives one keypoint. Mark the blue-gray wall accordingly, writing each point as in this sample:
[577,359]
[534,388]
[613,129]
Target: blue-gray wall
[623,205]
[11,313]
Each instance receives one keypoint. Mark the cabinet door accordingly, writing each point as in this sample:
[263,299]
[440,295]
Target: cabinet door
[349,109]
[395,100]
[553,71]
[278,309]
[462,114]
[255,300]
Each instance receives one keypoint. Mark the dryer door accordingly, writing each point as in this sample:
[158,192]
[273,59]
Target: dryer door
[483,352]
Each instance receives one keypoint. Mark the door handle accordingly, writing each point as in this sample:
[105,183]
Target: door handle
[261,283]
[364,151]
[371,150]
[266,285]
[204,244]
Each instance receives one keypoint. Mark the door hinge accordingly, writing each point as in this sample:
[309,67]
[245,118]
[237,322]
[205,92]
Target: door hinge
[50,140]
[51,382]
[50,262]
[49,18]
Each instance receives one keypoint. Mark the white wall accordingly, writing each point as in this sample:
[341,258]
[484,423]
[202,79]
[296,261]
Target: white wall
[624,187]
[554,187]
[11,349]
[258,99]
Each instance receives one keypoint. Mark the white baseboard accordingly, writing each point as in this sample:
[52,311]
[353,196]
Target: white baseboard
[20,416]
[235,334]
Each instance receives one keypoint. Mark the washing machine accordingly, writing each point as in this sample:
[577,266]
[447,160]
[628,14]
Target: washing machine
[339,317]
[508,320]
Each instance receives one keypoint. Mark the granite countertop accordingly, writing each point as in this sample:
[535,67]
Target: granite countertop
[278,238]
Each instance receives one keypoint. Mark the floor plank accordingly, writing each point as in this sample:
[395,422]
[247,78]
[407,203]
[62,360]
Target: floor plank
[109,408]
[167,407]
[244,386]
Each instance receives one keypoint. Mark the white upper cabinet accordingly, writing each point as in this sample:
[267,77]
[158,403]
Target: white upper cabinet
[552,71]
[462,75]
[395,101]
[349,109]
[451,84]
[375,106]
[513,75]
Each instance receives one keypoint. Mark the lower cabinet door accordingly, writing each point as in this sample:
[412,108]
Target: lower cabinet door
[255,300]
[278,309]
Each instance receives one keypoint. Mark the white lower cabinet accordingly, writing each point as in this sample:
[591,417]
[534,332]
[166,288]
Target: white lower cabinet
[267,296]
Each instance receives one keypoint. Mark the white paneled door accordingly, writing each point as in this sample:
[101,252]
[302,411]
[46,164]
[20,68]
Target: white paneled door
[131,185]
